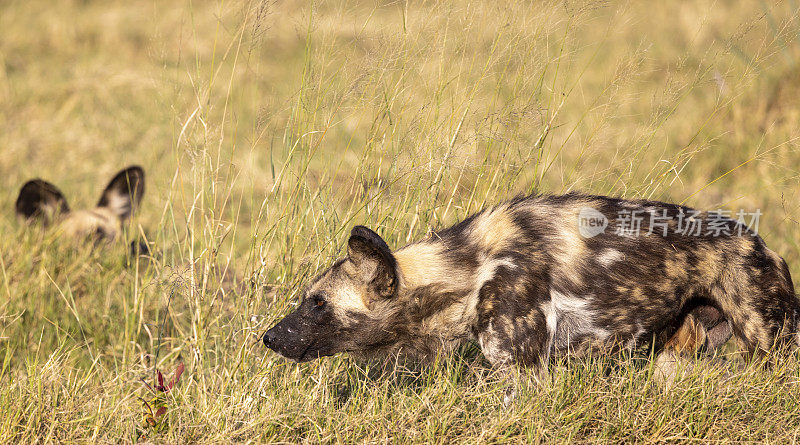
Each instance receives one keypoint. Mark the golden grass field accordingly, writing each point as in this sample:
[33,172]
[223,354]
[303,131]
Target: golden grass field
[269,128]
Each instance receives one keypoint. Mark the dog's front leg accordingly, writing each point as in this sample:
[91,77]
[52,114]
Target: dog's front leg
[513,342]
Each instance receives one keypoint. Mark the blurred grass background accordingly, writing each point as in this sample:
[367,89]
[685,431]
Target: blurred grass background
[267,129]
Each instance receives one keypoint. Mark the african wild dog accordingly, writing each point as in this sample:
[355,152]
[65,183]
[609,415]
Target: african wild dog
[525,280]
[41,201]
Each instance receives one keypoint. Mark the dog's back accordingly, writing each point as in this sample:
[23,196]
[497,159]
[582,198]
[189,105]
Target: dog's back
[598,270]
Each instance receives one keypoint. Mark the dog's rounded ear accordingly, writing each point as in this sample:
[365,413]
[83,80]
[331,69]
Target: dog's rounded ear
[40,200]
[373,260]
[124,192]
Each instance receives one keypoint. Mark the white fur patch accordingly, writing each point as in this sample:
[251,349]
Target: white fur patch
[632,342]
[569,317]
[609,256]
[119,204]
[492,347]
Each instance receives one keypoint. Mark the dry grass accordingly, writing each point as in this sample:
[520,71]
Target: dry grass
[268,129]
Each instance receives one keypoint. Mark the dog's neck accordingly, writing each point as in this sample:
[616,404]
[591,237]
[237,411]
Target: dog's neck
[438,296]
[427,264]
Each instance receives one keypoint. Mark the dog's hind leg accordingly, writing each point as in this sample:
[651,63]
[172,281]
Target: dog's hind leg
[703,330]
[759,302]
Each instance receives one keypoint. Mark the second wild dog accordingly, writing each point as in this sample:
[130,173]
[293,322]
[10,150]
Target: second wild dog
[41,201]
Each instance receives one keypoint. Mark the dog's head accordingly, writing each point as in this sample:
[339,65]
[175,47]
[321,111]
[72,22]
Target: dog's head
[41,201]
[348,307]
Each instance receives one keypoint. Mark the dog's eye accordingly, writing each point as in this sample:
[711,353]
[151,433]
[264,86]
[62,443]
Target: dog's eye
[319,301]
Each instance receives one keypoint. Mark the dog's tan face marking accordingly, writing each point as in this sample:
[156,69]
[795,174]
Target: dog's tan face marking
[40,201]
[342,289]
[100,223]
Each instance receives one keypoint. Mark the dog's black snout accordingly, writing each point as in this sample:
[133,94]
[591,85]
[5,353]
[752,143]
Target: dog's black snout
[269,338]
[138,248]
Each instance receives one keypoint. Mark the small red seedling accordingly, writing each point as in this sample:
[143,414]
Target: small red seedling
[165,388]
[156,408]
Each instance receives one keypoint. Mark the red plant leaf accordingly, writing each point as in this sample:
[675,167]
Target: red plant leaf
[176,377]
[160,412]
[160,386]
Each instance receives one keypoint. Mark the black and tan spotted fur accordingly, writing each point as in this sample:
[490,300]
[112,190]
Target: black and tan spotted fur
[521,280]
[41,201]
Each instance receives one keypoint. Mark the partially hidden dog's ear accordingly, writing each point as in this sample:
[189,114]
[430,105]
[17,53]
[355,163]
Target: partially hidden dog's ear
[40,200]
[124,192]
[373,260]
